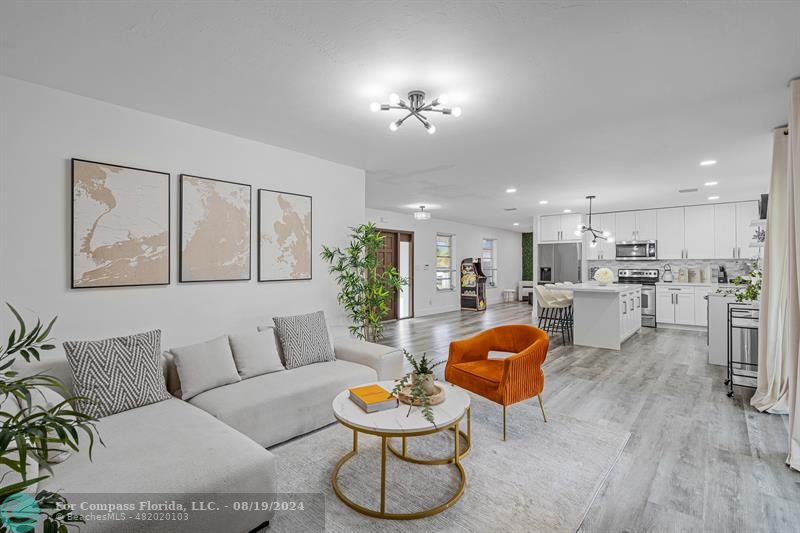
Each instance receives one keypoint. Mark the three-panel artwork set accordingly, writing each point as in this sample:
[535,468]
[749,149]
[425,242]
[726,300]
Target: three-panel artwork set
[121,229]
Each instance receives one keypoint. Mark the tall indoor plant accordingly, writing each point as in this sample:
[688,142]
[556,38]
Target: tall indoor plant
[366,287]
[32,433]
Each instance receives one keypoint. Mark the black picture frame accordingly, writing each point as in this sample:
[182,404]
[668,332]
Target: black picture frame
[311,235]
[180,231]
[168,184]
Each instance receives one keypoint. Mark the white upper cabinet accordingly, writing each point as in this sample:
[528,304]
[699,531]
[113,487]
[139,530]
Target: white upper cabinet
[570,223]
[559,227]
[670,233]
[646,225]
[608,250]
[698,232]
[746,213]
[550,228]
[604,249]
[626,226]
[724,231]
[636,225]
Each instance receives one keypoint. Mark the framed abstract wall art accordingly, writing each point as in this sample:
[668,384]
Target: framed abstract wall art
[215,221]
[120,225]
[284,236]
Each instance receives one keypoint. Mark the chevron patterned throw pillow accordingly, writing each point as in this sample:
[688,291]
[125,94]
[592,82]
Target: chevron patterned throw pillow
[117,374]
[304,339]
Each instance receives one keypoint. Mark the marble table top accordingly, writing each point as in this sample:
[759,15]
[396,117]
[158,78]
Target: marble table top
[395,420]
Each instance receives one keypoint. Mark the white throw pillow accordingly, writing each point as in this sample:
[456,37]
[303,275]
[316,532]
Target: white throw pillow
[255,353]
[205,366]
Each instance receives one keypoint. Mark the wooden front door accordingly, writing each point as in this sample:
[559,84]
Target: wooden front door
[387,256]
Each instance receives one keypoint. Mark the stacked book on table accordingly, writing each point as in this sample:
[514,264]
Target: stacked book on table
[373,398]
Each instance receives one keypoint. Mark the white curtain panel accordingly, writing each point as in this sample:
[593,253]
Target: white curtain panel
[793,277]
[772,394]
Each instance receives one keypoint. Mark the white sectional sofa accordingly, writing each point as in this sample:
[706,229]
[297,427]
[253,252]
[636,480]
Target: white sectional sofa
[215,442]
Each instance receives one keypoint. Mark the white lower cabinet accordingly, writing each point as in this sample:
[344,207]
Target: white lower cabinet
[681,305]
[701,306]
[630,308]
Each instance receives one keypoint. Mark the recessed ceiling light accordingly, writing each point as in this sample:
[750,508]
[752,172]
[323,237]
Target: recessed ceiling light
[713,197]
[568,210]
[708,162]
[710,183]
[516,223]
[511,190]
[543,202]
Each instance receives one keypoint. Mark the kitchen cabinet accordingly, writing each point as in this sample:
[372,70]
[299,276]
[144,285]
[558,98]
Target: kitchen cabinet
[675,305]
[559,227]
[684,308]
[701,306]
[604,249]
[746,212]
[636,225]
[550,228]
[724,231]
[698,232]
[669,225]
[605,316]
[646,225]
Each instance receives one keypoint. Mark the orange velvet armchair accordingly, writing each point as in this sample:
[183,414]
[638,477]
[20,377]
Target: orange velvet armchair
[504,381]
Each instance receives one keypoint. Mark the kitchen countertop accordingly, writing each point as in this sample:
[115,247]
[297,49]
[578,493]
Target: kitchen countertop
[613,288]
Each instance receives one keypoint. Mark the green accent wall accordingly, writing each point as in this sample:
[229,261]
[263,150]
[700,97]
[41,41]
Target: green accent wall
[527,257]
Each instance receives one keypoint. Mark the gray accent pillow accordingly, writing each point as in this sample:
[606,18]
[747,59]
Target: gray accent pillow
[205,366]
[255,353]
[304,339]
[117,374]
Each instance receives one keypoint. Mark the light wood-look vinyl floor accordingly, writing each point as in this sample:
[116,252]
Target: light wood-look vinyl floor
[696,461]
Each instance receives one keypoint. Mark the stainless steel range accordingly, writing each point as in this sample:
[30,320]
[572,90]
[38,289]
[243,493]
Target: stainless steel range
[647,278]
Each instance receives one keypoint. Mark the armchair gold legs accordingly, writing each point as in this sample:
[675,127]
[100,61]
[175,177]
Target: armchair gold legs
[541,406]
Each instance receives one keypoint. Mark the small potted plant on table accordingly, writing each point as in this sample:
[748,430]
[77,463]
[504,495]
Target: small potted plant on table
[418,387]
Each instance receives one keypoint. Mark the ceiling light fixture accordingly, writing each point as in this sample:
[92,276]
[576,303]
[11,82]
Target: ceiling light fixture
[568,210]
[422,214]
[511,190]
[710,183]
[713,197]
[595,232]
[516,223]
[543,202]
[708,162]
[416,106]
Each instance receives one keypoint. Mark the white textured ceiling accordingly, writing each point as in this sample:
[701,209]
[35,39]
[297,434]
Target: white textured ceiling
[560,99]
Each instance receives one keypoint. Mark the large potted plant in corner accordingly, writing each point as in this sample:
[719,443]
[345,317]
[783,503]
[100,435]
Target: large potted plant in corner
[32,432]
[366,286]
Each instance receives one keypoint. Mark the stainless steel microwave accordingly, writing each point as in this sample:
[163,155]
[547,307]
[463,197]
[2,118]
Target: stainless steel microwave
[636,251]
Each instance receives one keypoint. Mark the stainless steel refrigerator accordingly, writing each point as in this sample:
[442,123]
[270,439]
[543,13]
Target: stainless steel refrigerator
[560,262]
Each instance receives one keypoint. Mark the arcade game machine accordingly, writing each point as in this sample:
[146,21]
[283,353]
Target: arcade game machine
[473,285]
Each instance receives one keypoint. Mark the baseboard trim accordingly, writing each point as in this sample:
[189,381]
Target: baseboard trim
[681,327]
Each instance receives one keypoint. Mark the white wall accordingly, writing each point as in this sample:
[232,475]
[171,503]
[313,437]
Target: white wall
[467,243]
[42,128]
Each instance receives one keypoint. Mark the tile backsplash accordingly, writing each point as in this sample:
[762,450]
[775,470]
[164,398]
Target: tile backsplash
[734,267]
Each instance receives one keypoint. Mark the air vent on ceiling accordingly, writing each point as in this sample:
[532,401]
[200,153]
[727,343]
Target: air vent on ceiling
[509,209]
[683,191]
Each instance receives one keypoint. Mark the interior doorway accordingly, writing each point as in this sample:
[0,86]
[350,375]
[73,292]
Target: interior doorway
[398,251]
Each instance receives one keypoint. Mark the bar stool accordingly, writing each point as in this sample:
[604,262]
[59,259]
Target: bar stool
[555,312]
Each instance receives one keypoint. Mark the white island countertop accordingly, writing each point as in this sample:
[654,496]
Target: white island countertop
[612,288]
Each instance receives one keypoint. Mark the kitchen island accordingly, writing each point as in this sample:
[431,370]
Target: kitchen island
[606,315]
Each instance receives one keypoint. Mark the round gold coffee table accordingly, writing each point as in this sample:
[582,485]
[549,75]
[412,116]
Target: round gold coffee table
[393,423]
